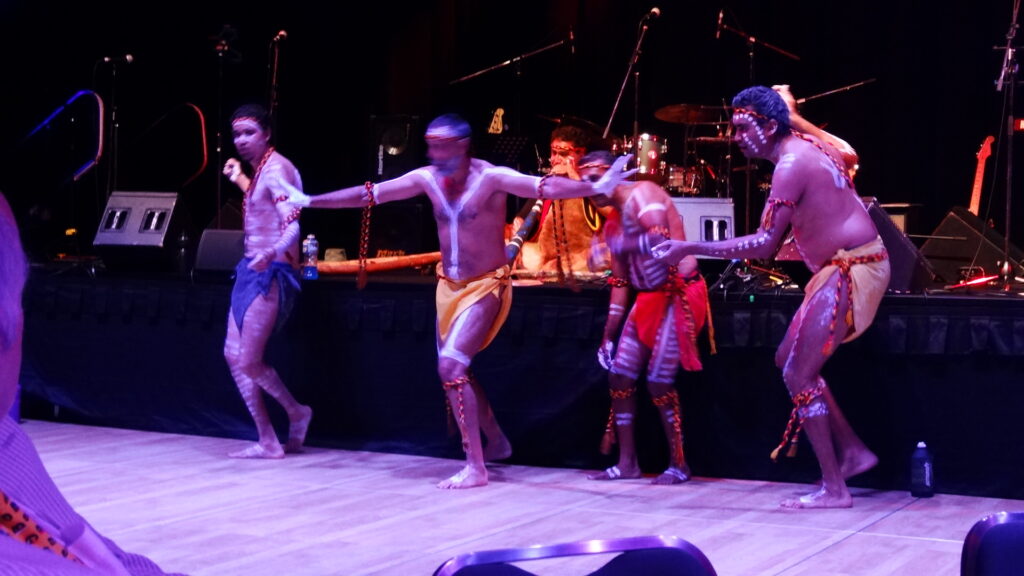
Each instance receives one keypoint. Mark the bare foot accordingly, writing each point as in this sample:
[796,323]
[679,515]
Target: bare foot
[465,478]
[854,464]
[615,473]
[673,475]
[259,451]
[498,449]
[297,430]
[820,499]
[857,463]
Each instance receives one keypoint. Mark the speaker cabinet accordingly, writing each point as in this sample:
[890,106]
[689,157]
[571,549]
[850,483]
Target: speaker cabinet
[220,249]
[706,219]
[911,271]
[963,241]
[138,231]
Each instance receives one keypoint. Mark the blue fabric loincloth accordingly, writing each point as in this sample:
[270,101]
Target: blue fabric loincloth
[249,284]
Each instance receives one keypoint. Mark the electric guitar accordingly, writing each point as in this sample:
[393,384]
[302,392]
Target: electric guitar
[979,174]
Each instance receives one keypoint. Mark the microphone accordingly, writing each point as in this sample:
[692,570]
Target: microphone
[126,59]
[572,41]
[718,30]
[281,35]
[654,13]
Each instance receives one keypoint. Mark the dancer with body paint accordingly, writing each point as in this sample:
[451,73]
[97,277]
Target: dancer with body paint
[266,279]
[811,191]
[474,290]
[654,336]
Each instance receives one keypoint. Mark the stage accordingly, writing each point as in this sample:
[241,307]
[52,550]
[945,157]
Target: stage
[180,501]
[144,352]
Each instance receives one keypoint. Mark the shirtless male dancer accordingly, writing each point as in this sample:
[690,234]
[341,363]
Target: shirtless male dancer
[812,191]
[657,334]
[266,279]
[474,290]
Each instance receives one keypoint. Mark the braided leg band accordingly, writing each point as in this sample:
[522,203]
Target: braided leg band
[806,404]
[459,413]
[608,440]
[668,403]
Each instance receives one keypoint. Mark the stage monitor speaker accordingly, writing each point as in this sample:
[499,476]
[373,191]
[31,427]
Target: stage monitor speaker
[138,231]
[962,240]
[706,219]
[220,249]
[910,270]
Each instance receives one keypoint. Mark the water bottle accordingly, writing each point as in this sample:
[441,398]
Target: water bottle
[922,480]
[310,255]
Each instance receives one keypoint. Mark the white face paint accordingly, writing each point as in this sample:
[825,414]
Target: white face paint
[751,138]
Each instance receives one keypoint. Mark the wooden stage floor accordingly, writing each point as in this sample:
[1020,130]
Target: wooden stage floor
[179,500]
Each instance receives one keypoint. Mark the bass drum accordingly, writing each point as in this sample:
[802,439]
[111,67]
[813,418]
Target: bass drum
[684,181]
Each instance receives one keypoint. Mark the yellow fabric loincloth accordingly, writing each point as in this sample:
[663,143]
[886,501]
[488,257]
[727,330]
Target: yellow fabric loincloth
[454,297]
[868,283]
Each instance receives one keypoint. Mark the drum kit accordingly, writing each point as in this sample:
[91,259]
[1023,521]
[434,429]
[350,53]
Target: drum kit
[702,169]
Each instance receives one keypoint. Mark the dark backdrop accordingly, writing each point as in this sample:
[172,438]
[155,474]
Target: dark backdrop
[346,74]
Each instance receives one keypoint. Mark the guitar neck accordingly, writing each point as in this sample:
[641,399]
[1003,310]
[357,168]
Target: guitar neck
[979,175]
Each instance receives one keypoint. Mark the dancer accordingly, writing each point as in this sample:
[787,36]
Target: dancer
[474,290]
[266,280]
[658,333]
[811,191]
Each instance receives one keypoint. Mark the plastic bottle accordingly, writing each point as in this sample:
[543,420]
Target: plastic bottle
[922,479]
[310,256]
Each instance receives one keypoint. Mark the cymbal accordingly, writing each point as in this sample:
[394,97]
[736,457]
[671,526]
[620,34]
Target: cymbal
[567,120]
[689,113]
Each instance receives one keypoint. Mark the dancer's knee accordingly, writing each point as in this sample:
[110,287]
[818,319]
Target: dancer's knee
[449,368]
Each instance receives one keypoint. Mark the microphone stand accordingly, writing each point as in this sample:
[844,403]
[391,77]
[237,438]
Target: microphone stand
[275,57]
[1008,76]
[221,48]
[633,59]
[751,43]
[113,131]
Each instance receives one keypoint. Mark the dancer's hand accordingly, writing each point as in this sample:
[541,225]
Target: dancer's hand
[605,354]
[614,176]
[672,251]
[233,169]
[296,196]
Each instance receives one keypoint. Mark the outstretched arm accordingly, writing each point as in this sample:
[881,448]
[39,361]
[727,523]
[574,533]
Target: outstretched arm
[400,188]
[763,243]
[558,187]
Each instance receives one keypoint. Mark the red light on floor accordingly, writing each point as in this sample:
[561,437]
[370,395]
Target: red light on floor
[1018,124]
